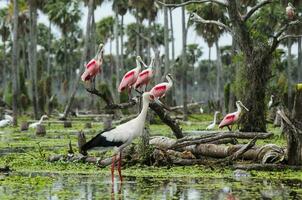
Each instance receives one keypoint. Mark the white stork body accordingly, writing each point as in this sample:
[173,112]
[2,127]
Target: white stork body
[6,121]
[121,136]
[34,125]
[213,124]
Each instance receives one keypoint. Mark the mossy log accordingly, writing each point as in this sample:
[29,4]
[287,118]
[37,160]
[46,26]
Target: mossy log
[24,126]
[67,124]
[40,130]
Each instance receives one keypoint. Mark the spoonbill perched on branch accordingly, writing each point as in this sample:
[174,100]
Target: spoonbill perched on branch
[213,124]
[130,77]
[290,11]
[121,136]
[160,90]
[145,76]
[34,125]
[232,118]
[94,65]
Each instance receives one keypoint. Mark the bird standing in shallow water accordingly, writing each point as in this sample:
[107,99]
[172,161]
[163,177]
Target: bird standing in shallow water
[94,66]
[34,125]
[232,118]
[213,124]
[130,77]
[121,136]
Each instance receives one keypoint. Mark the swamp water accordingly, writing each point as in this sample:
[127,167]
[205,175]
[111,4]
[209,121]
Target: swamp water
[54,186]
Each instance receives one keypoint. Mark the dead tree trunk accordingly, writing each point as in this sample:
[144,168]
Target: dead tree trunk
[293,130]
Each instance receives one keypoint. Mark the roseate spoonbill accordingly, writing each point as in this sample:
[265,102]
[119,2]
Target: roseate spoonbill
[290,11]
[34,125]
[6,121]
[213,124]
[94,65]
[160,89]
[232,118]
[130,77]
[145,76]
[121,136]
[271,101]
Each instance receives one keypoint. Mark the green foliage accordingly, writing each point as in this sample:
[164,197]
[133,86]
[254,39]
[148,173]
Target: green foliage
[104,29]
[8,93]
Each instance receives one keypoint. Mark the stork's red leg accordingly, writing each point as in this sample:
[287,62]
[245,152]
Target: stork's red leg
[119,166]
[112,168]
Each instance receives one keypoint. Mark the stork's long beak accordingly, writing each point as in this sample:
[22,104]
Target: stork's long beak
[162,104]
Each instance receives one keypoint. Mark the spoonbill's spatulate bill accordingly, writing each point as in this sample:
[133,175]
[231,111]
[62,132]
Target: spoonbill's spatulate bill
[232,118]
[121,136]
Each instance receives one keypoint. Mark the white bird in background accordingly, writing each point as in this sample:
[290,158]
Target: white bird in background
[6,121]
[34,125]
[290,11]
[270,103]
[201,110]
[212,125]
[121,136]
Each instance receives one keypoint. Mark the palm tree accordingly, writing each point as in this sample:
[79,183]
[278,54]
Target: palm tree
[211,33]
[4,33]
[15,62]
[184,63]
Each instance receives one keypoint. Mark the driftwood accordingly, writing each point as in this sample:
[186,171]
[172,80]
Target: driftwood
[163,115]
[242,150]
[210,136]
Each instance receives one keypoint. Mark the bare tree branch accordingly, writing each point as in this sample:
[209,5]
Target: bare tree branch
[289,36]
[197,18]
[276,39]
[222,3]
[255,8]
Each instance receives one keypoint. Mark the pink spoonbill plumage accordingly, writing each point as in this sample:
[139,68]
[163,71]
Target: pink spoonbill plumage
[130,77]
[232,118]
[145,76]
[121,136]
[290,11]
[93,67]
[161,89]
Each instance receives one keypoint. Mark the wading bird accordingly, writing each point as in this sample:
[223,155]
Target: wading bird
[6,121]
[94,66]
[232,118]
[145,76]
[161,89]
[290,11]
[271,101]
[34,125]
[213,124]
[130,77]
[121,136]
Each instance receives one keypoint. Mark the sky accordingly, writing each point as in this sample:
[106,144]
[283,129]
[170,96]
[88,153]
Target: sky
[106,10]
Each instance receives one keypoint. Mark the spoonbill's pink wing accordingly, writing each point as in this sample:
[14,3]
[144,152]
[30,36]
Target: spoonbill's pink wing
[143,78]
[127,80]
[159,90]
[227,120]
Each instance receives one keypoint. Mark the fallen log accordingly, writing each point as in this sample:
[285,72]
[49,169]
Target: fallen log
[210,136]
[188,105]
[266,167]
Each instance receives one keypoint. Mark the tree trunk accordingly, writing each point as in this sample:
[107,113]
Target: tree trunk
[299,59]
[256,72]
[166,40]
[172,35]
[297,108]
[184,64]
[137,36]
[32,54]
[289,77]
[122,42]
[218,77]
[49,47]
[117,57]
[15,62]
[84,55]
